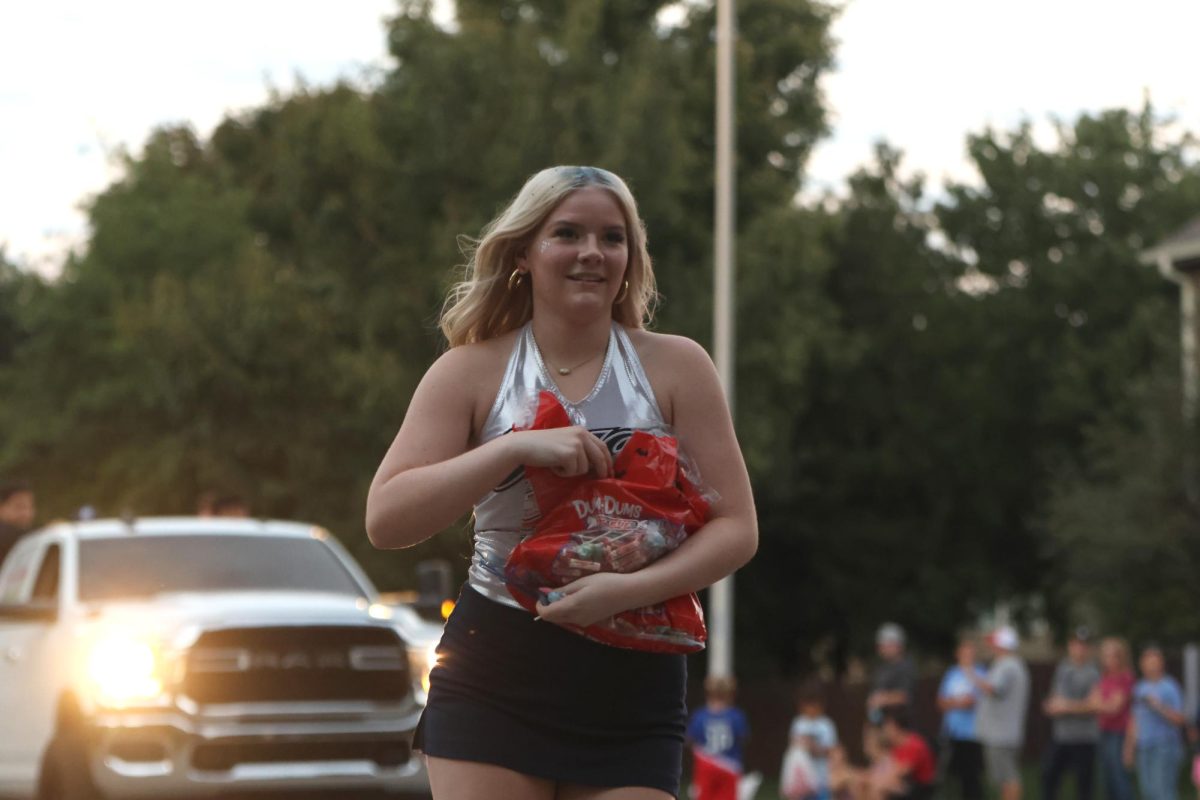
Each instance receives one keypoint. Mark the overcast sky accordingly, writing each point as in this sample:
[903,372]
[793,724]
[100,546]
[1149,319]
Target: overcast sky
[80,78]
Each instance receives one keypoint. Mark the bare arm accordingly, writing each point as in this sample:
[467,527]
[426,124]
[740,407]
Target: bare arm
[890,779]
[1084,706]
[881,698]
[703,424]
[949,703]
[1130,747]
[982,683]
[1058,705]
[1172,716]
[430,477]
[1111,704]
[817,751]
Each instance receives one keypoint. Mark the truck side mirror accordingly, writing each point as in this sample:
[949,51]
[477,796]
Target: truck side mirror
[435,584]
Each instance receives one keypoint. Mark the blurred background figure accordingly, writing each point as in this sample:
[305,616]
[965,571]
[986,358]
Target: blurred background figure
[1155,738]
[230,505]
[843,776]
[812,738]
[1192,734]
[204,503]
[911,769]
[17,512]
[903,769]
[892,682]
[958,696]
[1074,732]
[1000,719]
[212,503]
[893,679]
[1112,699]
[717,733]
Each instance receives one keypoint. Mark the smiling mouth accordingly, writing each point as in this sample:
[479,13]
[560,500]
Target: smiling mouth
[586,278]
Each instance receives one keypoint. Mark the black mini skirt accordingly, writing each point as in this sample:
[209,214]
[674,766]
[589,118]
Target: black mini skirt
[532,697]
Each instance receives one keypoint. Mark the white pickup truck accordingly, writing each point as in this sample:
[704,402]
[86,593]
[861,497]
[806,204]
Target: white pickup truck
[190,657]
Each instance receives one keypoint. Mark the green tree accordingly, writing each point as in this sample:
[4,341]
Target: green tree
[256,309]
[927,390]
[952,366]
[469,115]
[1122,529]
[863,489]
[1072,322]
[17,291]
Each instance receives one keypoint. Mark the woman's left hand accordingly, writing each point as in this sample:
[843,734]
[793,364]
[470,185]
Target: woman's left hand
[588,600]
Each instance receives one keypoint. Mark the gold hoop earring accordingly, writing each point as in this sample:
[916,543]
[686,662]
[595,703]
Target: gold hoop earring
[622,294]
[515,279]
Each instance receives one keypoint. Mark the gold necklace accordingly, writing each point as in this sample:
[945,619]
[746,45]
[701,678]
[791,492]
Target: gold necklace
[569,370]
[565,370]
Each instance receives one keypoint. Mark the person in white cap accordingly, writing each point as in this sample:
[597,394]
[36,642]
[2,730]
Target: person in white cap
[893,680]
[1000,720]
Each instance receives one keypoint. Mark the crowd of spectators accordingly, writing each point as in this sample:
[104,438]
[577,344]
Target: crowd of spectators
[1104,721]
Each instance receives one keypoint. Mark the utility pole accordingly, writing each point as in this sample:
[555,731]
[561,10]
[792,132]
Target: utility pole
[720,643]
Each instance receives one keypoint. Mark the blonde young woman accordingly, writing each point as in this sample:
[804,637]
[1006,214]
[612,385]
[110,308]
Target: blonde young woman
[556,297]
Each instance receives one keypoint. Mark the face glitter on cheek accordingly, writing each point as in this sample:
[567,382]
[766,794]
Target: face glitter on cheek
[544,246]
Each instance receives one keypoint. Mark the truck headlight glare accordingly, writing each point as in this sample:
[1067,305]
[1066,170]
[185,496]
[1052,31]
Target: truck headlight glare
[422,660]
[123,671]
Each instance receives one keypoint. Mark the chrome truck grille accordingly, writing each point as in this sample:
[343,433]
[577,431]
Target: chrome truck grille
[391,752]
[302,663]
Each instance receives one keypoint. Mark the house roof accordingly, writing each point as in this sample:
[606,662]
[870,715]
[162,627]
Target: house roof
[1179,251]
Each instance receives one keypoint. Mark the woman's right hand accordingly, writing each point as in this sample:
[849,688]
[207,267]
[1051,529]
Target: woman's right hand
[565,451]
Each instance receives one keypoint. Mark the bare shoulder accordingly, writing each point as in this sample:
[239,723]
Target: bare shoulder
[673,364]
[667,348]
[473,372]
[470,358]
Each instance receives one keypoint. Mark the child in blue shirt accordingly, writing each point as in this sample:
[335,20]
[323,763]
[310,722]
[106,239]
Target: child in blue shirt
[816,735]
[718,734]
[957,697]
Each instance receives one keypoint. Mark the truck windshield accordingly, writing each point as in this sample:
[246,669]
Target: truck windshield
[142,566]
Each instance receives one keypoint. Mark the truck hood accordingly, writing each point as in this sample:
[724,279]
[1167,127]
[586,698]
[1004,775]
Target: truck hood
[171,616]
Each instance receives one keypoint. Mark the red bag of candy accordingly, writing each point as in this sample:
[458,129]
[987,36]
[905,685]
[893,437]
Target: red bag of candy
[653,500]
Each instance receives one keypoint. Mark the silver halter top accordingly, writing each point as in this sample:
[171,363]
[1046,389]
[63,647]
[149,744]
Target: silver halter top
[620,401]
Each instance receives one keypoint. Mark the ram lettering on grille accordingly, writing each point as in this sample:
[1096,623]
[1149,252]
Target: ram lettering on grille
[310,663]
[245,659]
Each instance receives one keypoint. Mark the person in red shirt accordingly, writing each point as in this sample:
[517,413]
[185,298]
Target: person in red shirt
[1112,699]
[911,772]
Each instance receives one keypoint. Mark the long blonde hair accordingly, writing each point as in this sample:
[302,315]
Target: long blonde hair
[482,306]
